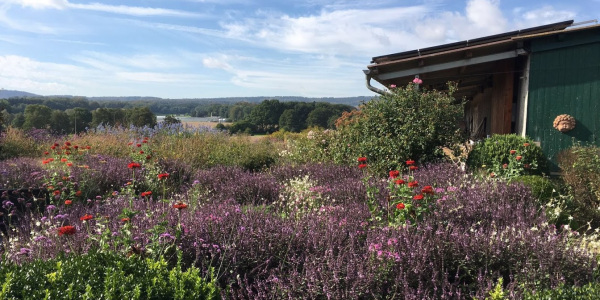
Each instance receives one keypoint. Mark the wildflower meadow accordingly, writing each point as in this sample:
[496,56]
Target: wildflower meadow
[180,213]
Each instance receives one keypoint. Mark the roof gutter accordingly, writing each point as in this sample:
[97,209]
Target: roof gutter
[369,86]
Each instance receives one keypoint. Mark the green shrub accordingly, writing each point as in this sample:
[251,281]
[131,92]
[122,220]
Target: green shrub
[407,123]
[589,291]
[102,276]
[496,151]
[580,168]
[542,188]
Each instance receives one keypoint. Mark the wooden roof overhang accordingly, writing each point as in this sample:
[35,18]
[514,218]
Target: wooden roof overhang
[471,64]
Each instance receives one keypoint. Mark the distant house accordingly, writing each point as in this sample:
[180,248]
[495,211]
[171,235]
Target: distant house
[514,82]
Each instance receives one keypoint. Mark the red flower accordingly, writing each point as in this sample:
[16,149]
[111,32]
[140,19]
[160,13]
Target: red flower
[400,181]
[145,141]
[130,143]
[519,157]
[141,152]
[412,168]
[76,147]
[410,162]
[46,153]
[45,161]
[134,165]
[144,194]
[56,192]
[67,230]
[526,145]
[53,147]
[362,166]
[88,147]
[64,160]
[427,190]
[513,151]
[50,159]
[125,220]
[68,202]
[362,159]
[492,175]
[400,205]
[69,164]
[67,143]
[504,166]
[180,205]
[139,145]
[418,197]
[413,184]
[394,173]
[148,157]
[86,217]
[78,193]
[163,176]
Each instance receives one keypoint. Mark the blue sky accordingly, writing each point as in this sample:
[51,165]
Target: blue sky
[229,48]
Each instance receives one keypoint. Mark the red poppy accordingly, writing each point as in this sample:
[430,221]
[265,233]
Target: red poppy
[394,173]
[526,145]
[88,147]
[400,181]
[410,162]
[519,157]
[427,190]
[56,192]
[56,145]
[53,147]
[46,153]
[413,184]
[362,166]
[78,193]
[144,194]
[86,217]
[69,164]
[139,145]
[362,159]
[141,152]
[50,159]
[67,153]
[418,197]
[125,220]
[400,205]
[67,143]
[148,157]
[134,165]
[163,176]
[67,230]
[513,151]
[45,161]
[412,168]
[145,141]
[64,160]
[68,202]
[180,205]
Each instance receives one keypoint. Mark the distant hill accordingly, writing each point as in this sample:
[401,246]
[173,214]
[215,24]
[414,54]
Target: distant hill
[5,94]
[354,101]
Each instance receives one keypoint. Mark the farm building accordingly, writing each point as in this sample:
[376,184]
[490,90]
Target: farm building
[537,82]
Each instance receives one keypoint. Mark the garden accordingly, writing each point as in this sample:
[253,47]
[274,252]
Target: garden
[371,210]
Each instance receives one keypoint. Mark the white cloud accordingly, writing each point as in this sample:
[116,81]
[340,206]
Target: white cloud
[486,15]
[545,15]
[133,10]
[41,4]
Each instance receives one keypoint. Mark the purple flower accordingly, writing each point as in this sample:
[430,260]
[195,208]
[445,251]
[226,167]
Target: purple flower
[50,208]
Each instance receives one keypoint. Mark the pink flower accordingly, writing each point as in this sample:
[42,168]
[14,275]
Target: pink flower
[417,80]
[392,86]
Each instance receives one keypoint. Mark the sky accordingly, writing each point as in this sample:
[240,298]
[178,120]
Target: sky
[238,48]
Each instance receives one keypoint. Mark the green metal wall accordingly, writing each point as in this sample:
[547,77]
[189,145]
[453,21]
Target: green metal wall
[564,78]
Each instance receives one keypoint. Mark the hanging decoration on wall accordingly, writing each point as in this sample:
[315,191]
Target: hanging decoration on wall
[564,123]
